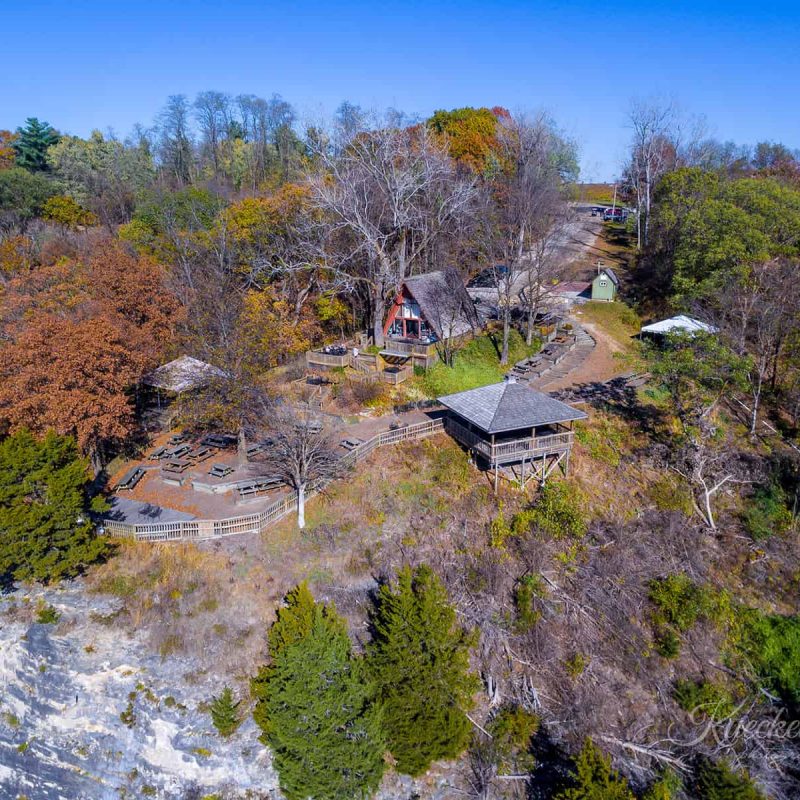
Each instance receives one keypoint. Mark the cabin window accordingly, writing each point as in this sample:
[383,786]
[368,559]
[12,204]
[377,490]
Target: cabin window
[396,328]
[410,310]
[412,328]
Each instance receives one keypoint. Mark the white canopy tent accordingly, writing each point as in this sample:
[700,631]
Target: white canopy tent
[679,324]
[182,375]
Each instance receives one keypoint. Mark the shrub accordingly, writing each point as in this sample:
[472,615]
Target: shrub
[719,782]
[767,512]
[678,600]
[558,512]
[225,712]
[666,787]
[594,779]
[368,393]
[512,729]
[705,697]
[770,645]
[525,593]
[668,643]
[669,493]
[47,614]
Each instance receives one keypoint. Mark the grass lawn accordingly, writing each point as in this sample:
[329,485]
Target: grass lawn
[478,364]
[617,319]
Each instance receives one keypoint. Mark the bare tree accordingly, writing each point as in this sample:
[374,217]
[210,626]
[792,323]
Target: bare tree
[543,266]
[451,312]
[389,196]
[213,114]
[176,149]
[653,152]
[518,205]
[759,311]
[301,454]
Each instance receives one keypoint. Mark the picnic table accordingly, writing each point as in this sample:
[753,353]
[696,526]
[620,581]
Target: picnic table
[220,470]
[218,440]
[177,438]
[200,454]
[177,452]
[131,478]
[254,449]
[157,453]
[258,485]
[352,443]
[175,465]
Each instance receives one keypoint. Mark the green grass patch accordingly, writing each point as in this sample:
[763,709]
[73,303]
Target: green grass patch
[617,319]
[478,364]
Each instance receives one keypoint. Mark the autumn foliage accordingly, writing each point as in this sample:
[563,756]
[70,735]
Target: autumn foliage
[79,333]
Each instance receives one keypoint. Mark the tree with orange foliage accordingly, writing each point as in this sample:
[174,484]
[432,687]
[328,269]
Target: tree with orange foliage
[71,376]
[134,289]
[7,154]
[471,135]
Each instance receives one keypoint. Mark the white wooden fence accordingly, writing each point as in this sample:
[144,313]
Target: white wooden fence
[200,529]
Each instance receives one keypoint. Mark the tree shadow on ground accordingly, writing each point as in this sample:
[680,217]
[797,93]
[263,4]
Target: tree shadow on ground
[618,396]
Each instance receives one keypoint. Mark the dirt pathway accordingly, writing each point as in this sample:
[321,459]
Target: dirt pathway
[598,366]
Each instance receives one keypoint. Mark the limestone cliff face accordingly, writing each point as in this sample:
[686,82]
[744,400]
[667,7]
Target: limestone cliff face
[63,688]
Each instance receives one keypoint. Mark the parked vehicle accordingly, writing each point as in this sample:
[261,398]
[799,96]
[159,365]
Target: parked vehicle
[615,215]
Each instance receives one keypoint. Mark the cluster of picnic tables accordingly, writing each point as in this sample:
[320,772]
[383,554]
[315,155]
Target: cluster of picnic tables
[179,454]
[546,358]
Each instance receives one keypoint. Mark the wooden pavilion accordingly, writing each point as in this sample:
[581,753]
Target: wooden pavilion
[512,427]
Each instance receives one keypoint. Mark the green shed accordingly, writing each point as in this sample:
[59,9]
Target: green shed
[605,285]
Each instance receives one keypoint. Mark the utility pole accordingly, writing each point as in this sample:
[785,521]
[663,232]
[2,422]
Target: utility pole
[614,203]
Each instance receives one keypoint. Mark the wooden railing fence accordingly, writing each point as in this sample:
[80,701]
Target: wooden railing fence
[199,530]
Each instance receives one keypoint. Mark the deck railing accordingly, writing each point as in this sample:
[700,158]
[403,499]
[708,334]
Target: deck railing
[421,350]
[314,357]
[528,447]
[198,530]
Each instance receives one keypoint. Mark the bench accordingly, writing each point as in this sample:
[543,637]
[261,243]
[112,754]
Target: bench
[131,478]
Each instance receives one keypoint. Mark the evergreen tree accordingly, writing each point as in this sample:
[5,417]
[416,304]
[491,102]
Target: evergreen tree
[45,533]
[720,782]
[595,779]
[419,659]
[665,787]
[31,144]
[225,712]
[315,706]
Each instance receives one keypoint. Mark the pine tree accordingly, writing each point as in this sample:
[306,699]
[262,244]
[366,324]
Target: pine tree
[225,712]
[45,531]
[720,782]
[419,659]
[31,144]
[595,779]
[315,706]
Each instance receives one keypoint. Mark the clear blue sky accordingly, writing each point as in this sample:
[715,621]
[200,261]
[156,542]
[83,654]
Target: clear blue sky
[84,64]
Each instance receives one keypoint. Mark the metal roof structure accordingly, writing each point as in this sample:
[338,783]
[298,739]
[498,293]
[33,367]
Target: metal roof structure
[679,324]
[509,406]
[182,375]
[611,274]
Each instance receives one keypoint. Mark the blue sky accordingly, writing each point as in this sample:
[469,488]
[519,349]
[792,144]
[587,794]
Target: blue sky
[85,64]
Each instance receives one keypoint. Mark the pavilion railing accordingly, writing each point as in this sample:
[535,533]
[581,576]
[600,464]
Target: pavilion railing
[528,447]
